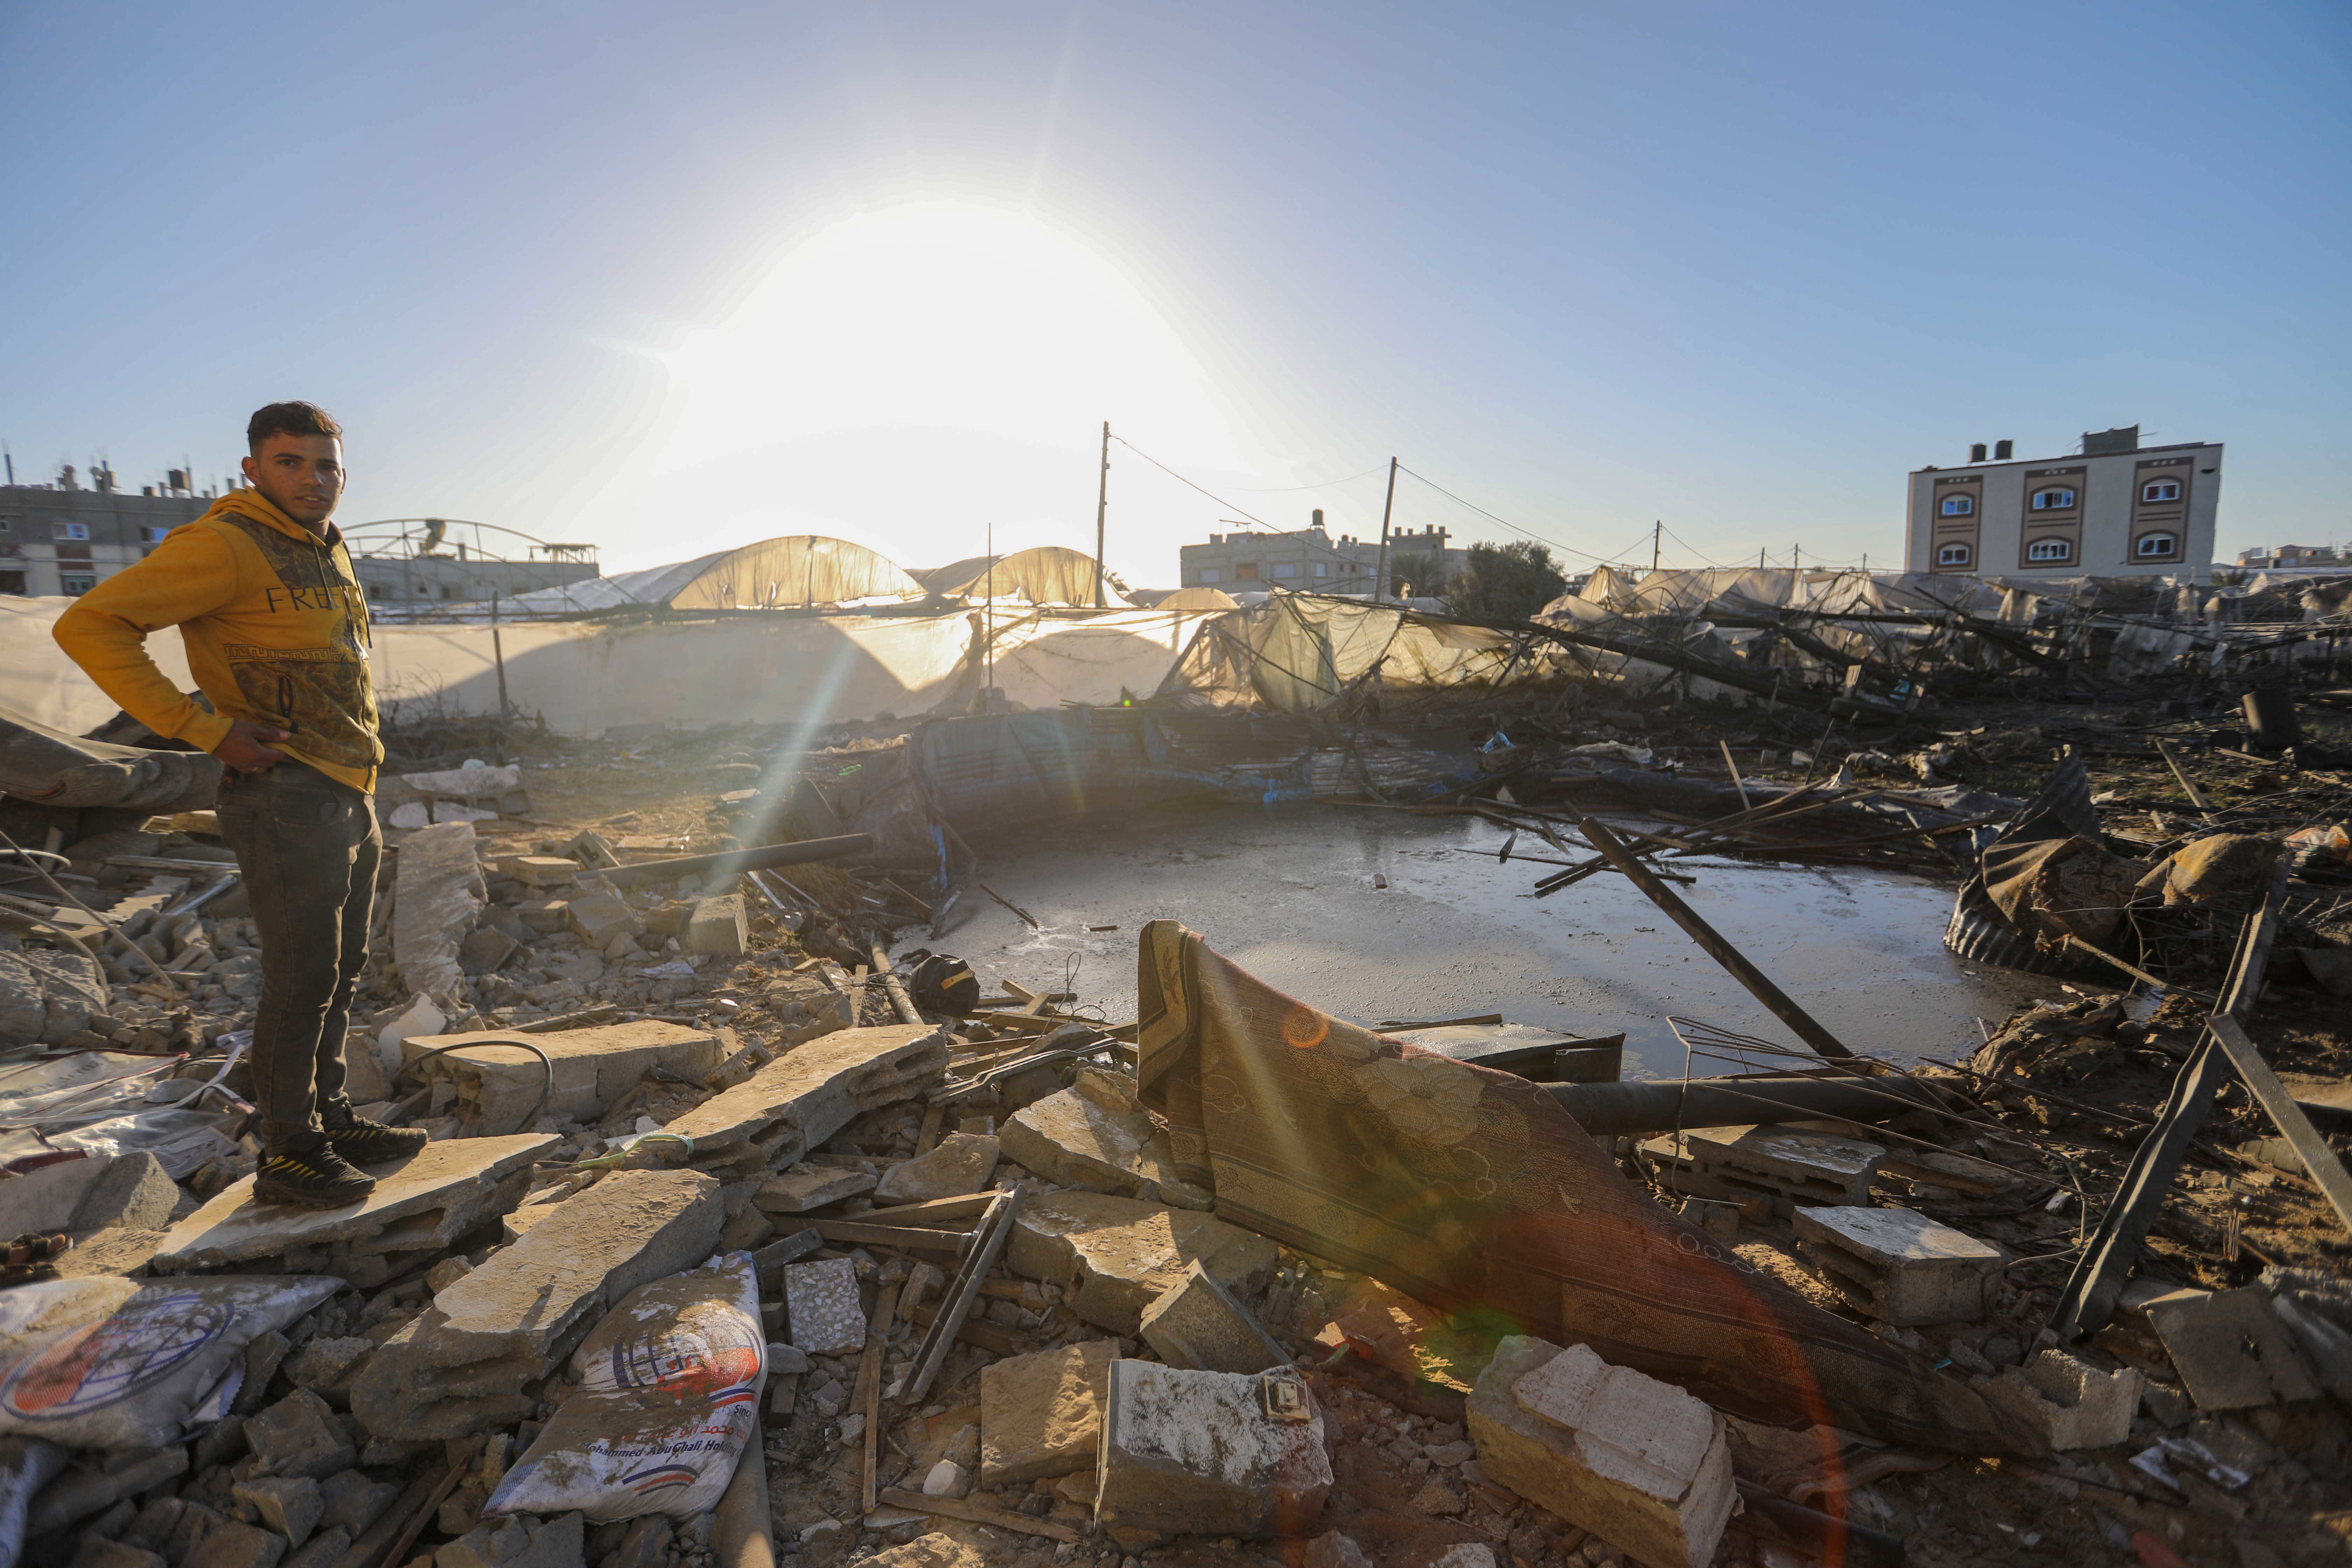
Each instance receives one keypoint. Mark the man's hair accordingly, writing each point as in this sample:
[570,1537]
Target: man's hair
[288,419]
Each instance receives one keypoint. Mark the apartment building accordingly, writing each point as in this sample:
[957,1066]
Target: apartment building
[2113,509]
[63,538]
[1307,560]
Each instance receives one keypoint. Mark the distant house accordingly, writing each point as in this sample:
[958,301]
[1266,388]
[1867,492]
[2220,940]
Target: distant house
[2293,557]
[1307,559]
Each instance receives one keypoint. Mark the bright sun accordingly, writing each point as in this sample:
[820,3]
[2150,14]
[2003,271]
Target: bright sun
[945,318]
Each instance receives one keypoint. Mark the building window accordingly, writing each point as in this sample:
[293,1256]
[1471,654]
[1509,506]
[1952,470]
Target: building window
[2160,489]
[1321,570]
[153,535]
[1211,574]
[73,531]
[2157,546]
[1286,569]
[448,591]
[2050,549]
[1954,556]
[77,583]
[1959,506]
[2056,500]
[1246,571]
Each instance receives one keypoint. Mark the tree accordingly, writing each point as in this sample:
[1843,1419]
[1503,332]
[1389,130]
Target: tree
[1506,582]
[1422,570]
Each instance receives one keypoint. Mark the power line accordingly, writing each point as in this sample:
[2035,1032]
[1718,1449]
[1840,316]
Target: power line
[1222,502]
[1325,485]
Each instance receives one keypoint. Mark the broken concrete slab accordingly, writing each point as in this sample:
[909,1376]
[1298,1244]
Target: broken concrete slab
[936,1550]
[517,1541]
[2229,1346]
[806,1187]
[1041,1414]
[485,949]
[1096,1137]
[822,1304]
[437,894]
[597,917]
[961,1163]
[593,1069]
[2072,1403]
[1900,1265]
[808,1003]
[810,1092]
[1197,1323]
[1116,1256]
[422,1204]
[1777,1164]
[299,1435]
[1638,1462]
[291,1505]
[720,927]
[1200,1453]
[458,1367]
[89,1194]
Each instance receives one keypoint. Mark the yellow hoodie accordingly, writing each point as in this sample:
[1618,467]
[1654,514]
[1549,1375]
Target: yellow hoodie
[276,626]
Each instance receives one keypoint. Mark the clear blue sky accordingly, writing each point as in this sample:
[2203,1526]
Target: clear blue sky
[670,278]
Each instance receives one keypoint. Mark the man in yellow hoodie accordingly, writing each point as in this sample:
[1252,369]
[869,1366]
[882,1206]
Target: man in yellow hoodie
[276,626]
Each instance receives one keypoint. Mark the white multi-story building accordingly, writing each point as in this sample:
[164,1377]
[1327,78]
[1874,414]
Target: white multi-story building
[2115,509]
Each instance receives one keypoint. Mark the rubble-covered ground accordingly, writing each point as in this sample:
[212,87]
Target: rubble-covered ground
[754,982]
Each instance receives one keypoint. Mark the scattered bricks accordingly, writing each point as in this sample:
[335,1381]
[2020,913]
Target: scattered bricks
[1187,1453]
[84,1492]
[426,1205]
[458,1368]
[1774,1164]
[2072,1403]
[1096,1138]
[794,1103]
[96,1552]
[437,893]
[1042,1415]
[352,1502]
[821,1300]
[2228,1347]
[322,1364]
[718,927]
[90,1195]
[262,1359]
[542,871]
[291,1505]
[1116,1256]
[1638,1462]
[962,1163]
[299,1435]
[485,949]
[1713,1215]
[1197,1324]
[229,1544]
[593,1069]
[545,916]
[801,1006]
[806,1187]
[597,917]
[1900,1265]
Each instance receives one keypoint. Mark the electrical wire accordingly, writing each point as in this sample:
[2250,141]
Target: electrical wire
[1228,506]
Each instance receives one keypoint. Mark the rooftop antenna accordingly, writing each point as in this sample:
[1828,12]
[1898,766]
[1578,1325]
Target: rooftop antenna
[11,458]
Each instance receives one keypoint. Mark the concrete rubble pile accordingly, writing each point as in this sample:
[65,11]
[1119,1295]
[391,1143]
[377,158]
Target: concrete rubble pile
[995,1322]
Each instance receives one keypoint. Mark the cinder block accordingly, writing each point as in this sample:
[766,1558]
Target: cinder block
[1201,1453]
[1196,1323]
[720,927]
[1777,1164]
[1900,1265]
[1639,1463]
[2072,1403]
[821,1302]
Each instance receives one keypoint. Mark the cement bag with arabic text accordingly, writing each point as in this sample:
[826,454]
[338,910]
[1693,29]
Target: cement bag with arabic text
[669,1396]
[107,1362]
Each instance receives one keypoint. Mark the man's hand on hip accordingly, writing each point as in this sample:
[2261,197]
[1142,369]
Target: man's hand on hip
[246,746]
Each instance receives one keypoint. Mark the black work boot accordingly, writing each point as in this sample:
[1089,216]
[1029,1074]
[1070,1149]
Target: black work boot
[309,1172]
[365,1142]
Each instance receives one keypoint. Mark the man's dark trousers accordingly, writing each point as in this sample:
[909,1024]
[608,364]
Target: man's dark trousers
[309,847]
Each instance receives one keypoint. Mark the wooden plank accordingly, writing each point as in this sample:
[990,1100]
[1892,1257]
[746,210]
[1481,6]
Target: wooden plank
[975,1513]
[907,1238]
[994,1231]
[932,1212]
[869,1377]
[928,1139]
[979,1332]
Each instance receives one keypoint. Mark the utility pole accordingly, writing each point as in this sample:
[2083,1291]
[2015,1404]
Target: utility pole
[1657,529]
[1102,501]
[1798,557]
[1381,575]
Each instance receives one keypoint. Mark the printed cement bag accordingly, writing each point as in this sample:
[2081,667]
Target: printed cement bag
[123,1363]
[669,1396]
